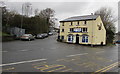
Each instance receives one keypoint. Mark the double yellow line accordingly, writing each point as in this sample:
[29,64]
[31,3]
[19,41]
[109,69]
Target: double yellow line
[107,68]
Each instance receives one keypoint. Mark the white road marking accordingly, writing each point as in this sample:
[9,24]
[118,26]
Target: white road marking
[22,62]
[3,51]
[23,50]
[100,52]
[76,55]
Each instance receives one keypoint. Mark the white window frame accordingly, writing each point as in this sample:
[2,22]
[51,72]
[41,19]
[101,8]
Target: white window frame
[71,38]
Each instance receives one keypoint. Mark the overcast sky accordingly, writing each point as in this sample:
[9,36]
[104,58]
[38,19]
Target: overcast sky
[64,9]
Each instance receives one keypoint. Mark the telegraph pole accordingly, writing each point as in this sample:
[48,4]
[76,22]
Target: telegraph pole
[21,21]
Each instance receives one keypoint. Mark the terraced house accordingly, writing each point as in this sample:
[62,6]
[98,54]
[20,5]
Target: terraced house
[87,29]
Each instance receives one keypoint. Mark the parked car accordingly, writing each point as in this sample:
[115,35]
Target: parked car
[50,33]
[117,41]
[40,36]
[27,37]
[45,34]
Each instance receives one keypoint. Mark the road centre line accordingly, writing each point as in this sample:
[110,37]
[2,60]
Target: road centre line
[100,52]
[76,55]
[22,62]
[23,50]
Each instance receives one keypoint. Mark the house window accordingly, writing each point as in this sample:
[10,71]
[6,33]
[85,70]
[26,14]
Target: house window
[71,29]
[84,29]
[85,39]
[100,26]
[62,37]
[62,23]
[78,23]
[62,30]
[70,38]
[71,23]
[58,37]
[85,22]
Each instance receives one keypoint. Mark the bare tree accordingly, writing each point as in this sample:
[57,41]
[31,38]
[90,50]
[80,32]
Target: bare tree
[48,14]
[109,20]
[107,17]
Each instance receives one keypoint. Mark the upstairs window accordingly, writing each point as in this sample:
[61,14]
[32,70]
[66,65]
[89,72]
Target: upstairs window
[62,30]
[85,22]
[84,30]
[62,23]
[78,23]
[100,26]
[71,23]
[71,29]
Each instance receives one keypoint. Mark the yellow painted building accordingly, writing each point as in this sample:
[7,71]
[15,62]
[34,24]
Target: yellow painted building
[87,29]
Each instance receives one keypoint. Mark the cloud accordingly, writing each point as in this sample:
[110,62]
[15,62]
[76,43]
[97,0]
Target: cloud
[64,10]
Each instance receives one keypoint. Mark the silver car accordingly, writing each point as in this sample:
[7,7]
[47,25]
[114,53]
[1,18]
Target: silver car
[27,37]
[40,36]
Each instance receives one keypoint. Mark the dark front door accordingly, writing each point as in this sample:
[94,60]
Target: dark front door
[77,39]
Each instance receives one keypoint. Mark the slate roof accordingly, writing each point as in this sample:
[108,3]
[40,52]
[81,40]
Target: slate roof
[80,18]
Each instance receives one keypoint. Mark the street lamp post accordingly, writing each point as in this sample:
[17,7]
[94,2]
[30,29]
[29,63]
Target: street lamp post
[21,21]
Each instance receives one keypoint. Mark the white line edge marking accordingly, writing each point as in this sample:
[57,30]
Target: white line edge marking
[22,62]
[100,52]
[76,55]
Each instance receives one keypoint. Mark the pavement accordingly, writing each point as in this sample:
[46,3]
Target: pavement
[48,55]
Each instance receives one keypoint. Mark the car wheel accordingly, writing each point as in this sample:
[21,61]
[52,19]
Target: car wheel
[29,39]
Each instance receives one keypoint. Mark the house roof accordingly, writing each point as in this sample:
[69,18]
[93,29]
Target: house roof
[80,18]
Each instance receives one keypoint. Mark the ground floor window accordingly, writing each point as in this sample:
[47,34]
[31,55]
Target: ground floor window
[58,37]
[70,38]
[62,37]
[85,39]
